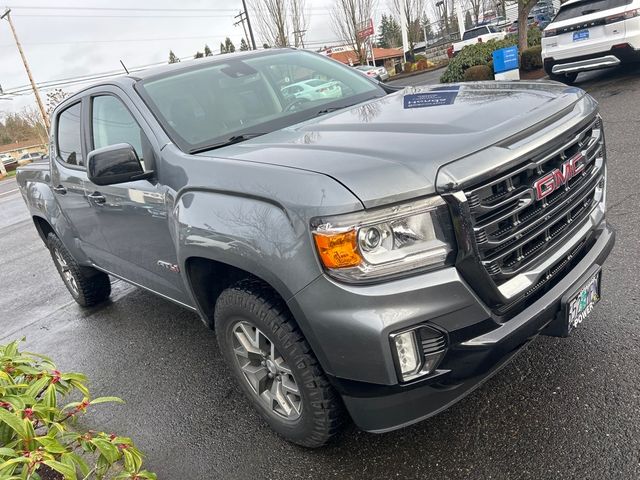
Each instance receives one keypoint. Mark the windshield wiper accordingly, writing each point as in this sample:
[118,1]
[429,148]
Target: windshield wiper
[324,111]
[241,137]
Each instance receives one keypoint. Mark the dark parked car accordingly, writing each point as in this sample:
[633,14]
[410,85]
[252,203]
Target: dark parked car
[379,254]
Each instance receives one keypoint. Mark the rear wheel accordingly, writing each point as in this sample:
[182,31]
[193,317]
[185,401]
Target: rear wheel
[86,285]
[568,78]
[274,365]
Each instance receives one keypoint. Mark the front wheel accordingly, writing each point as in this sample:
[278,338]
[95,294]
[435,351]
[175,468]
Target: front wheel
[274,365]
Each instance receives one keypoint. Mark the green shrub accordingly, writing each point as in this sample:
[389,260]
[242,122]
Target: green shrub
[478,73]
[534,36]
[477,54]
[531,58]
[36,438]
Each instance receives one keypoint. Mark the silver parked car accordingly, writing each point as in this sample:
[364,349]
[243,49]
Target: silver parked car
[379,73]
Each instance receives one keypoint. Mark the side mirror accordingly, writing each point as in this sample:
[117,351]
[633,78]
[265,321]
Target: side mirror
[115,164]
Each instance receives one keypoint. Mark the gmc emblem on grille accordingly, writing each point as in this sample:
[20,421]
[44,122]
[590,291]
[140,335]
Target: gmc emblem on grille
[555,179]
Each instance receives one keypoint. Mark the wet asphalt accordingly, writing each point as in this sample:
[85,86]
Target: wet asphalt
[563,409]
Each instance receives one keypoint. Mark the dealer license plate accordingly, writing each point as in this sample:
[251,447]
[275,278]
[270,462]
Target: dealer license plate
[580,35]
[582,303]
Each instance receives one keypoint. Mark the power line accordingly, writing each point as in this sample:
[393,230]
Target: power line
[120,40]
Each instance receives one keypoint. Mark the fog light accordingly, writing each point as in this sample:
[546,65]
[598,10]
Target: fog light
[408,358]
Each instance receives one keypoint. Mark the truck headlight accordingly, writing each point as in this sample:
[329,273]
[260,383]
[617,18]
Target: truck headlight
[370,245]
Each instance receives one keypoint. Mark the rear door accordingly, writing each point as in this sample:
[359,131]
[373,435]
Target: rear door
[68,177]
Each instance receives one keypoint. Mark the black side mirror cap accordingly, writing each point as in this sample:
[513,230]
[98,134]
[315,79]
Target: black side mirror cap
[115,164]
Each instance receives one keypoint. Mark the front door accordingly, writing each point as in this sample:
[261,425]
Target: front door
[132,217]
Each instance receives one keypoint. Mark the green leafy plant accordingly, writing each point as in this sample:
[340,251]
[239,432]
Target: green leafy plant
[478,73]
[38,440]
[531,58]
[480,53]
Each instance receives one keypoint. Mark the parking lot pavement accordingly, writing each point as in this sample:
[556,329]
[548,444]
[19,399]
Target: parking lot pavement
[563,409]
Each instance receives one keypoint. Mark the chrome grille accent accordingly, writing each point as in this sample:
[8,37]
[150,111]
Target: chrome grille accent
[512,229]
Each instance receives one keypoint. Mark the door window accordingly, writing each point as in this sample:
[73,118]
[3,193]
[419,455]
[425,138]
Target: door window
[112,123]
[69,136]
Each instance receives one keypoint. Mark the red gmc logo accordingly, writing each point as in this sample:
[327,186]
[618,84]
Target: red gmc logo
[552,181]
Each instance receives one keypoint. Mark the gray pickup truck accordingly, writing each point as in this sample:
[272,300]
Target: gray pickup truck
[362,252]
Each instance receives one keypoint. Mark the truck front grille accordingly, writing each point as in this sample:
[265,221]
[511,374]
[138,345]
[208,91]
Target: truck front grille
[513,229]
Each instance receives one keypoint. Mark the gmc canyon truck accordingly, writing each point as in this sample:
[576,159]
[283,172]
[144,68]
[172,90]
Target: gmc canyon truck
[375,255]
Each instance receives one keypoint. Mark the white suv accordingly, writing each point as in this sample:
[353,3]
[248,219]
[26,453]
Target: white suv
[589,35]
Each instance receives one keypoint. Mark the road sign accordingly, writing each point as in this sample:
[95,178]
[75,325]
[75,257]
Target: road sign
[505,59]
[365,29]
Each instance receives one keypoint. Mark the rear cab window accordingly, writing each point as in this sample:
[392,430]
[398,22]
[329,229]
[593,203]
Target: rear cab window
[476,32]
[69,136]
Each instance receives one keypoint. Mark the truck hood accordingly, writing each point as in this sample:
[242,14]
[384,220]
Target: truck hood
[390,149]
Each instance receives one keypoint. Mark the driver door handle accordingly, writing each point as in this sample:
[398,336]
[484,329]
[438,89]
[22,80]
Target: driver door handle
[96,197]
[60,189]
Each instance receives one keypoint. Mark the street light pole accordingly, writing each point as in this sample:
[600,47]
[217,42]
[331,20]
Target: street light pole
[43,112]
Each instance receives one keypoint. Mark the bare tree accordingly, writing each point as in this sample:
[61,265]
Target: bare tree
[476,6]
[298,21]
[54,97]
[348,18]
[442,10]
[410,12]
[33,118]
[273,22]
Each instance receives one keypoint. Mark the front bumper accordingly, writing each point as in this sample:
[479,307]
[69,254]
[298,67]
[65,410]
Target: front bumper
[352,343]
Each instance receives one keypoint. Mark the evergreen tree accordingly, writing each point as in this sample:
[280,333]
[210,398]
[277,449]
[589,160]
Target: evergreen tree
[223,49]
[426,27]
[198,55]
[383,36]
[395,33]
[172,57]
[229,46]
[243,45]
[468,21]
[207,51]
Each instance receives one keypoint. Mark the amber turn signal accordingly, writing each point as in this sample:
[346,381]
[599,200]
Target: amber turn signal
[338,250]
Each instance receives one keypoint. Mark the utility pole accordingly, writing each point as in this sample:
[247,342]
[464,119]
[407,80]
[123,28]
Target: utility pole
[246,15]
[243,17]
[43,112]
[299,36]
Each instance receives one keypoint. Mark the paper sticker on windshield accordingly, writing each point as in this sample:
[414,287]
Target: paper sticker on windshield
[430,99]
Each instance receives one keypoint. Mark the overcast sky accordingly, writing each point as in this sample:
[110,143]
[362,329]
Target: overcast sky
[61,42]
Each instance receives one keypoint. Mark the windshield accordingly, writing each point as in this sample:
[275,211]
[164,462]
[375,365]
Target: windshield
[207,105]
[587,7]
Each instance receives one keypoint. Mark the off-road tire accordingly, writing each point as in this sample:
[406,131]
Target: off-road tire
[91,286]
[322,413]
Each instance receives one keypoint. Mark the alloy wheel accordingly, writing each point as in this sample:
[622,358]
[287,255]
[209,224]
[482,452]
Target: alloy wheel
[67,275]
[266,371]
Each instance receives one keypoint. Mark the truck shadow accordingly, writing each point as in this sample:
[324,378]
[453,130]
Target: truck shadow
[187,413]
